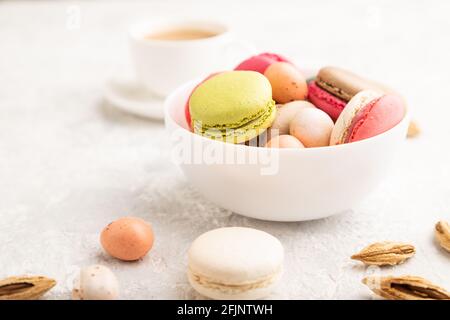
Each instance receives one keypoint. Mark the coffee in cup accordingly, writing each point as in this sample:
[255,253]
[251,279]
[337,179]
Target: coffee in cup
[170,53]
[181,34]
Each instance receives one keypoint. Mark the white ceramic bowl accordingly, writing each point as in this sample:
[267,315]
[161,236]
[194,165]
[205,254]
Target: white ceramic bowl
[279,184]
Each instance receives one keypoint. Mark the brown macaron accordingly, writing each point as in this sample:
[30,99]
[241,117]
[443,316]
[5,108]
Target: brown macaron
[345,84]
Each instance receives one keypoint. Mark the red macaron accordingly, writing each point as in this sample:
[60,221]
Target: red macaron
[325,101]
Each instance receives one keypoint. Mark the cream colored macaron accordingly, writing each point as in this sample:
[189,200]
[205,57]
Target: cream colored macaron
[235,263]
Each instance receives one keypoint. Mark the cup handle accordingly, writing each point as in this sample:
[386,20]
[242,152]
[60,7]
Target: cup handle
[238,50]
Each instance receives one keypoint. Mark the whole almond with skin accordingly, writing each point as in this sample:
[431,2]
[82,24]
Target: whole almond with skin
[25,288]
[443,234]
[405,288]
[386,253]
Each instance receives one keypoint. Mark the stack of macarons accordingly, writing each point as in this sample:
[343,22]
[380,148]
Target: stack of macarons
[268,94]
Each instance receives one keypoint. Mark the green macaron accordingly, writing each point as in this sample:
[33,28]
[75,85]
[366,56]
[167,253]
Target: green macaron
[233,106]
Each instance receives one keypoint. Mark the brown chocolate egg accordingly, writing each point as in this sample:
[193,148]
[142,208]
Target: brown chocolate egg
[288,83]
[127,238]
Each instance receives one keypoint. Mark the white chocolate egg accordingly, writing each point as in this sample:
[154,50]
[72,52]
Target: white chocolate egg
[312,127]
[285,114]
[284,141]
[95,282]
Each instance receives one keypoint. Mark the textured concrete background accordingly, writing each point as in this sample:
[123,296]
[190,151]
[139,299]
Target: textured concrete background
[70,163]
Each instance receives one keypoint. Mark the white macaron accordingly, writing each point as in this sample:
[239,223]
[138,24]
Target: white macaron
[235,263]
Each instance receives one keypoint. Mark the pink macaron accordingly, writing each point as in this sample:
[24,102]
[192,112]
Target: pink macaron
[325,101]
[260,62]
[368,113]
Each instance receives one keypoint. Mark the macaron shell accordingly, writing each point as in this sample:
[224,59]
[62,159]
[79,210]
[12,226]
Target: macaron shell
[260,62]
[325,101]
[241,134]
[345,84]
[354,106]
[235,255]
[377,117]
[341,83]
[187,112]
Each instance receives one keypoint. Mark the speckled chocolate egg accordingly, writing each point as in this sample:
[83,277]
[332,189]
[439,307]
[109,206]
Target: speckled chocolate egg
[288,83]
[127,238]
[284,141]
[95,282]
[312,127]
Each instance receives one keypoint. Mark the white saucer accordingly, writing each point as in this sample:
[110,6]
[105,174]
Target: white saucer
[128,95]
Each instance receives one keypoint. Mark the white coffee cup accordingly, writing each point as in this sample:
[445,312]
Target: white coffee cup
[162,65]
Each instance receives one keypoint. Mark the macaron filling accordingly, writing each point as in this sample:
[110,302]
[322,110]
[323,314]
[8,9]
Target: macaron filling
[234,125]
[334,90]
[247,129]
[230,288]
